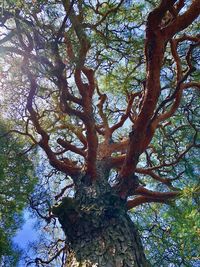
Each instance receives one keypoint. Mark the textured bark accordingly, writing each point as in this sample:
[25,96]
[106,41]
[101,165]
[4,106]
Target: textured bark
[98,228]
[114,242]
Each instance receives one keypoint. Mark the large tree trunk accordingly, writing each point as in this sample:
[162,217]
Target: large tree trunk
[114,243]
[98,229]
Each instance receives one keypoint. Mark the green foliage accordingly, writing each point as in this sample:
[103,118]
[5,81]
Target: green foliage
[16,183]
[171,232]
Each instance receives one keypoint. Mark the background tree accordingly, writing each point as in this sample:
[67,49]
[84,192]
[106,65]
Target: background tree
[113,110]
[16,183]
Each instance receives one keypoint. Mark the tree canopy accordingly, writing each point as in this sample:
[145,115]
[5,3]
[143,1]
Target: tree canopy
[108,92]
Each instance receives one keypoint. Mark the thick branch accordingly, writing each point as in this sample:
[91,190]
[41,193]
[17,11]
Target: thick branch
[141,133]
[183,21]
[148,196]
[86,91]
[82,37]
[141,200]
[140,190]
[69,146]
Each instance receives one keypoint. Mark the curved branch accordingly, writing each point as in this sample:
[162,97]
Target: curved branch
[69,146]
[177,96]
[102,99]
[63,191]
[183,21]
[39,260]
[191,85]
[156,177]
[125,116]
[69,167]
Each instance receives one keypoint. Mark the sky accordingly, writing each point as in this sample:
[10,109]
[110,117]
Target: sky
[26,234]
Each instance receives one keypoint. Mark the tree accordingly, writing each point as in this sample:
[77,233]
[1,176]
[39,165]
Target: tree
[16,183]
[109,108]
